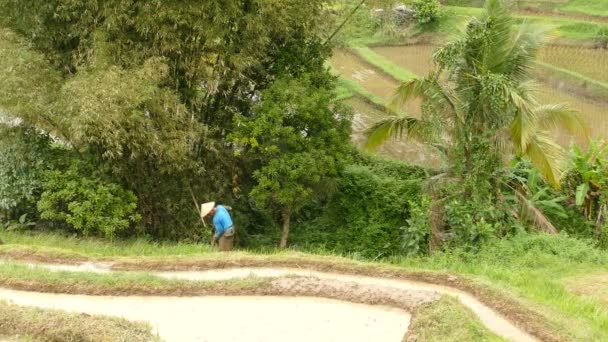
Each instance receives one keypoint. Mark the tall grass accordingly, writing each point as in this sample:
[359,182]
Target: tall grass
[98,247]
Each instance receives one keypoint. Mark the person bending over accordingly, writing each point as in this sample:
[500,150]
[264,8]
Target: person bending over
[222,223]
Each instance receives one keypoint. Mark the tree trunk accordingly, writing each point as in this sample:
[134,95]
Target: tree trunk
[286,219]
[436,224]
[599,223]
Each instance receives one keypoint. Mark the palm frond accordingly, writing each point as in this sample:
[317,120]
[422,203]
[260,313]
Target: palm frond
[547,157]
[560,116]
[499,26]
[395,127]
[526,43]
[427,89]
[534,215]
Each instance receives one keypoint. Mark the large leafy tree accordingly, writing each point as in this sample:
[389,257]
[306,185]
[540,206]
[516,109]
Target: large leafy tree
[479,104]
[298,139]
[150,88]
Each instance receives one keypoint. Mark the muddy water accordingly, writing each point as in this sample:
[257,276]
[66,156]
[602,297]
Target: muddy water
[237,318]
[417,58]
[366,115]
[491,319]
[374,81]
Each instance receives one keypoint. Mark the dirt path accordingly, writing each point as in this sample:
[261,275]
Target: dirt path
[237,318]
[489,317]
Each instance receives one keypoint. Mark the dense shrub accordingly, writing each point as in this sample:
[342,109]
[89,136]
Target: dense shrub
[601,38]
[24,155]
[416,233]
[86,203]
[471,224]
[366,214]
[427,11]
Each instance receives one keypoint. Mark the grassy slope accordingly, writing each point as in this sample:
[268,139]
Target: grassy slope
[534,270]
[364,32]
[538,269]
[447,320]
[356,88]
[29,324]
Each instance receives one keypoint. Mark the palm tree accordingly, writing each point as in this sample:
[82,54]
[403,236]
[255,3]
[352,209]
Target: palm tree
[481,90]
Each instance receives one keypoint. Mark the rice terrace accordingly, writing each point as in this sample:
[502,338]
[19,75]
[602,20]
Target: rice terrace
[346,170]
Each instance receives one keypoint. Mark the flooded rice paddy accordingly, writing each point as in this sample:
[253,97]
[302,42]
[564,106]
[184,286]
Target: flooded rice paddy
[592,63]
[376,82]
[365,115]
[417,58]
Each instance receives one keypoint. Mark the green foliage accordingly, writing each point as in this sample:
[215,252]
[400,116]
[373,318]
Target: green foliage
[416,234]
[427,11]
[365,215]
[471,224]
[299,139]
[86,203]
[62,30]
[29,86]
[479,109]
[601,38]
[586,187]
[24,155]
[150,89]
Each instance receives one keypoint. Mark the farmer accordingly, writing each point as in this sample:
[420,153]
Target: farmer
[222,223]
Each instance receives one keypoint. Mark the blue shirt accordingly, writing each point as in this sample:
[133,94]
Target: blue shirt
[221,221]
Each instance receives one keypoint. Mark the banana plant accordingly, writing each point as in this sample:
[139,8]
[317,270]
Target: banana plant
[586,180]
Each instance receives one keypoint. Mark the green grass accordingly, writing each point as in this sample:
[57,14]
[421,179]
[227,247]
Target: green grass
[536,270]
[364,29]
[588,7]
[448,320]
[101,248]
[383,64]
[342,92]
[30,324]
